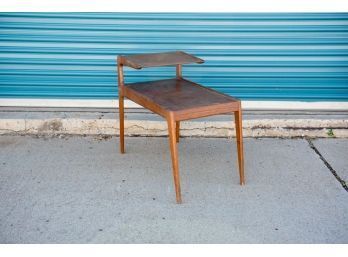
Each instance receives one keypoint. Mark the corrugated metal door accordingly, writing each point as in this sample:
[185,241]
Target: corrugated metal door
[268,56]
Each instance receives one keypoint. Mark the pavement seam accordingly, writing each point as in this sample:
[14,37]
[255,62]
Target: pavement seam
[327,164]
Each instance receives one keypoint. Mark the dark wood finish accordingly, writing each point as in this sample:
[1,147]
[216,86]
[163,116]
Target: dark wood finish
[176,99]
[140,61]
[181,97]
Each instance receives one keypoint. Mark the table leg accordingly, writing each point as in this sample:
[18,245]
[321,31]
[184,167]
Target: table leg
[239,137]
[174,154]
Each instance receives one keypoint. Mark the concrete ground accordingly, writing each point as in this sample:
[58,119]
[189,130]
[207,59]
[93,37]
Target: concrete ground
[336,153]
[82,190]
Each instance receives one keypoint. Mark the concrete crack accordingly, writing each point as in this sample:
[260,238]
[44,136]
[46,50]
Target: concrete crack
[343,183]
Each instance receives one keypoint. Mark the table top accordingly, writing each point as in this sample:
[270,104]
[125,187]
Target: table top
[179,94]
[140,61]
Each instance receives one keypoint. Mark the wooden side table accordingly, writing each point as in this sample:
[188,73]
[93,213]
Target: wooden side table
[176,99]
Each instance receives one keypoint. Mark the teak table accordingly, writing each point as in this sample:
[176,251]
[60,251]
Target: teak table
[176,99]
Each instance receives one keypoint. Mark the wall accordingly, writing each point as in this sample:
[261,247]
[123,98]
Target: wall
[254,56]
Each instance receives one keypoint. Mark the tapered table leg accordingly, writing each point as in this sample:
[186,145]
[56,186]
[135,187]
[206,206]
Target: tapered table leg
[239,137]
[121,118]
[174,154]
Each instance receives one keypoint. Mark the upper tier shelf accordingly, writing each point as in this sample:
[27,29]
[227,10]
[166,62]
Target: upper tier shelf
[159,59]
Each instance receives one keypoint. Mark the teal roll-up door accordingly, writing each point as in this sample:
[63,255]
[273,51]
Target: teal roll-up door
[254,56]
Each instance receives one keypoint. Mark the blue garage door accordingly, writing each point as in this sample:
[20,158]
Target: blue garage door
[254,56]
